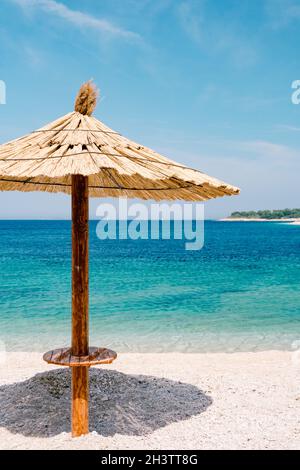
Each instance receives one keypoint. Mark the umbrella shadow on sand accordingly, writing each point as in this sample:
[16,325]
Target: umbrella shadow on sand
[119,403]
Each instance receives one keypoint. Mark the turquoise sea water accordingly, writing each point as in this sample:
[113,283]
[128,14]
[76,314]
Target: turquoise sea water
[240,292]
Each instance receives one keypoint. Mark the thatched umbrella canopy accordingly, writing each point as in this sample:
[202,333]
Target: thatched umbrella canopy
[79,155]
[78,143]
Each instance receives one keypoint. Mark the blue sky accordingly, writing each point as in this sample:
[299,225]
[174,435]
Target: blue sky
[205,82]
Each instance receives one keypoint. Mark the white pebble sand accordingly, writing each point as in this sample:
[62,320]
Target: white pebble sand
[157,401]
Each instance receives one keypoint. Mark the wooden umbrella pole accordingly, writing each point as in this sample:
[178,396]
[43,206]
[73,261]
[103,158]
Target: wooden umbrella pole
[80,302]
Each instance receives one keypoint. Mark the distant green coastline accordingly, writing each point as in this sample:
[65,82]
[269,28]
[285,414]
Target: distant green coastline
[267,214]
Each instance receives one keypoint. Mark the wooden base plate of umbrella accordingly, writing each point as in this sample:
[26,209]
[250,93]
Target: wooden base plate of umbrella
[64,357]
[79,155]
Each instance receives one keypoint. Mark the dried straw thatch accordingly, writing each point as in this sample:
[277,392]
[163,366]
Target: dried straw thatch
[77,143]
[86,99]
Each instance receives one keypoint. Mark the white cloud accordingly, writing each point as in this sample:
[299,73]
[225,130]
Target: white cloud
[266,172]
[265,183]
[191,22]
[281,13]
[214,34]
[261,148]
[33,56]
[77,18]
[286,127]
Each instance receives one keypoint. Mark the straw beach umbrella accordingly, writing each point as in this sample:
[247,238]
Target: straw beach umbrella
[80,156]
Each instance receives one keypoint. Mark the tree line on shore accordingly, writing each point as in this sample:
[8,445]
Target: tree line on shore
[267,214]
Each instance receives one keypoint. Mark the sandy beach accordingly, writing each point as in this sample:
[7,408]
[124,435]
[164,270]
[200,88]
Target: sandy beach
[157,401]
